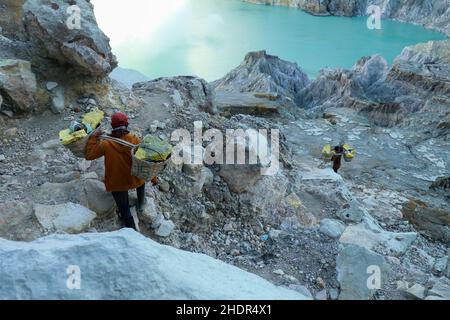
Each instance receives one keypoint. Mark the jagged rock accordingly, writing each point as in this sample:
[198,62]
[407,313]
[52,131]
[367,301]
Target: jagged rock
[394,243]
[68,218]
[433,221]
[260,72]
[352,266]
[332,228]
[17,221]
[18,84]
[169,273]
[417,291]
[11,18]
[191,92]
[86,48]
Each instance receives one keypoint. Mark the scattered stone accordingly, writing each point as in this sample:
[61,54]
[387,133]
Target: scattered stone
[164,186]
[12,132]
[51,85]
[279,272]
[332,228]
[165,229]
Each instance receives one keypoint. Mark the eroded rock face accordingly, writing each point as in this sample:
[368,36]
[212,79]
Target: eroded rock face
[18,84]
[416,84]
[434,14]
[169,273]
[260,72]
[86,49]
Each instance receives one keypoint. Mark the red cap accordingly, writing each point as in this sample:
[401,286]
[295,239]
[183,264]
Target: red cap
[119,119]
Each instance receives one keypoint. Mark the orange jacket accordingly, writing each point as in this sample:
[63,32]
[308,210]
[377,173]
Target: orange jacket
[117,162]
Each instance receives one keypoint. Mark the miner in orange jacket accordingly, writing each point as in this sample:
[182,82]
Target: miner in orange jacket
[118,161]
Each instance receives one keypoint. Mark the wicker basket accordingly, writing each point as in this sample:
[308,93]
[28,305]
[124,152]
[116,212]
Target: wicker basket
[146,170]
[78,148]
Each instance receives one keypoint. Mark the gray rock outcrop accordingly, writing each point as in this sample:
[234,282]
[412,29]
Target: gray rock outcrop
[86,48]
[111,267]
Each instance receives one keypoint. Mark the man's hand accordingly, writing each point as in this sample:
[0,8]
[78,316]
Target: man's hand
[97,133]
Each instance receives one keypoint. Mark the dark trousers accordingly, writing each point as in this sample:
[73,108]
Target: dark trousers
[123,201]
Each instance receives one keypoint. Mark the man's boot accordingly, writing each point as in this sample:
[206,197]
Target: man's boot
[129,223]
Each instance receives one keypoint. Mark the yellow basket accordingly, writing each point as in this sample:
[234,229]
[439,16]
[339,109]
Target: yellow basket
[147,170]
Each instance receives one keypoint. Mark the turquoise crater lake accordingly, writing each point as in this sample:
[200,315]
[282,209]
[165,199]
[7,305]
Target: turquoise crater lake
[208,38]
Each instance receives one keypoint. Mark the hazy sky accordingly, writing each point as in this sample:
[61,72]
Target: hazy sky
[123,21]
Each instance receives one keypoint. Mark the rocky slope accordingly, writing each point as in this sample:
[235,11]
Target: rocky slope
[434,14]
[304,228]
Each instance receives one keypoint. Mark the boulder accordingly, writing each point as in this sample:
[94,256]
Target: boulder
[395,244]
[84,47]
[89,193]
[354,266]
[165,229]
[240,178]
[69,218]
[428,219]
[18,84]
[110,267]
[17,221]
[332,228]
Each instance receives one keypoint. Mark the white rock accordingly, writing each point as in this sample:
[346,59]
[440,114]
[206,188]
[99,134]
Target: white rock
[279,272]
[332,228]
[395,243]
[51,85]
[2,158]
[165,229]
[124,265]
[322,295]
[149,212]
[69,217]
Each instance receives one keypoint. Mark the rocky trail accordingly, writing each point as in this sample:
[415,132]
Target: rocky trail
[305,228]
